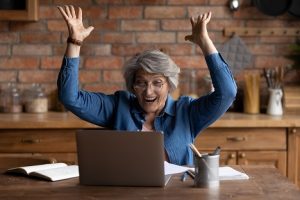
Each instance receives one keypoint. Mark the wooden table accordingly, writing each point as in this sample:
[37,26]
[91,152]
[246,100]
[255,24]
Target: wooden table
[264,183]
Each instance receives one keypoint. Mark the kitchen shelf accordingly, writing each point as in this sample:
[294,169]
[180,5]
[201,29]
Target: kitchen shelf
[250,31]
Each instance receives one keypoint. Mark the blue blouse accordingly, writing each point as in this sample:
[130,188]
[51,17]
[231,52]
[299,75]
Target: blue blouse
[181,120]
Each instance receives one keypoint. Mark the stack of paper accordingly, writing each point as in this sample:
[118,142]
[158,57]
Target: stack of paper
[225,173]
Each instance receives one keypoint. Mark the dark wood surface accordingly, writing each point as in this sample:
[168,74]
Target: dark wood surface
[264,183]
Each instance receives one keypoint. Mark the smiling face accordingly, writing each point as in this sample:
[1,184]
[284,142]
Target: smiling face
[151,91]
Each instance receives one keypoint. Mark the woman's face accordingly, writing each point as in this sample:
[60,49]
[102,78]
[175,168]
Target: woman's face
[151,91]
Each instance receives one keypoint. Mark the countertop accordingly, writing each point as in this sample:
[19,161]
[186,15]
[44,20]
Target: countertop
[54,120]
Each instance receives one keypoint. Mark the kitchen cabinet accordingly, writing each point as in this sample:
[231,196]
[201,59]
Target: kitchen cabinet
[247,146]
[245,139]
[28,13]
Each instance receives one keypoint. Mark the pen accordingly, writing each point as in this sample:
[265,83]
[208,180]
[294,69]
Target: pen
[183,178]
[217,151]
[191,174]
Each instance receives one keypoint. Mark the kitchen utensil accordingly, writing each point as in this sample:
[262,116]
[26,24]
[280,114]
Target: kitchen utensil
[271,7]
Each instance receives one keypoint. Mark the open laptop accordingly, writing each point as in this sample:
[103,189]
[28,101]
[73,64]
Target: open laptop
[120,158]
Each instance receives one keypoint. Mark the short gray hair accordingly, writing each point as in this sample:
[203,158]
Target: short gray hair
[152,61]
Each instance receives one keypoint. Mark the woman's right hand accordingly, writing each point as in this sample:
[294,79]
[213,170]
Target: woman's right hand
[75,26]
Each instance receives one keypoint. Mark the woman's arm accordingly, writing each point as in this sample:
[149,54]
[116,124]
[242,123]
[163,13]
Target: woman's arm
[207,109]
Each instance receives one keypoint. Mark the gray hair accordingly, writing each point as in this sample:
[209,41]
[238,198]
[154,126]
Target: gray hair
[152,61]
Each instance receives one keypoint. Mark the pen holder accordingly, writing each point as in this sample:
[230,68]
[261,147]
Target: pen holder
[206,171]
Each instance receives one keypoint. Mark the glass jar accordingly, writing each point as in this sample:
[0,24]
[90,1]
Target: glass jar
[11,99]
[36,100]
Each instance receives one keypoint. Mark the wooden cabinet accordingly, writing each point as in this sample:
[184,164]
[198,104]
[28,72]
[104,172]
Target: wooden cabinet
[294,155]
[247,146]
[37,145]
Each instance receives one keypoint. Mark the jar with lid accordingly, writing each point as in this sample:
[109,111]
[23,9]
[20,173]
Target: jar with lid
[36,100]
[11,99]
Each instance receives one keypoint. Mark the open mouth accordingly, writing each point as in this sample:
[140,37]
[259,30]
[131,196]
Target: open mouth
[150,100]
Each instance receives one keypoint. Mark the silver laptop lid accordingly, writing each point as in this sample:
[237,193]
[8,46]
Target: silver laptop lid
[121,158]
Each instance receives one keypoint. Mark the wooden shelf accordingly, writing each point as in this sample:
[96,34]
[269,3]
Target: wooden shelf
[250,31]
[28,14]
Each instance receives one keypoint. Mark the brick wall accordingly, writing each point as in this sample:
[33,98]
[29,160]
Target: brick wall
[31,52]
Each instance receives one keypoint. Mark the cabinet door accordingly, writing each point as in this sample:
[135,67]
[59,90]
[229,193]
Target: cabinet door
[228,158]
[294,155]
[274,158]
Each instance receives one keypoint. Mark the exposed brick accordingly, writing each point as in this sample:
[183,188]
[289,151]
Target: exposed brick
[57,25]
[28,26]
[271,61]
[59,50]
[129,49]
[103,63]
[26,49]
[117,38]
[277,40]
[4,50]
[160,12]
[221,2]
[73,2]
[187,2]
[261,49]
[217,11]
[8,76]
[108,1]
[49,12]
[190,61]
[220,24]
[30,76]
[19,62]
[96,49]
[156,37]
[125,12]
[283,49]
[176,25]
[9,38]
[107,88]
[51,62]
[145,2]
[105,25]
[95,12]
[40,37]
[89,76]
[139,25]
[113,76]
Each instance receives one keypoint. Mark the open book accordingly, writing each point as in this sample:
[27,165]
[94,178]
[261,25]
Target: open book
[50,172]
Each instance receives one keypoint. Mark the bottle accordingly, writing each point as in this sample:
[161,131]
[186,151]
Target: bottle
[35,100]
[11,99]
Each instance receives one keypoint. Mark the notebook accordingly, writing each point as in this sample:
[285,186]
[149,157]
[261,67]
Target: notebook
[120,158]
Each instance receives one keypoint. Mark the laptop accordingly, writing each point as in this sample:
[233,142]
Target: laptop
[120,158]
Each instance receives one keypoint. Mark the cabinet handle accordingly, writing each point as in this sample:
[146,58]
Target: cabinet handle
[236,139]
[294,130]
[30,141]
[232,155]
[242,155]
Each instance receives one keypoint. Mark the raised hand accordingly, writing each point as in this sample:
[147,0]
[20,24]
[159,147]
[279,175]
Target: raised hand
[199,34]
[75,26]
[199,30]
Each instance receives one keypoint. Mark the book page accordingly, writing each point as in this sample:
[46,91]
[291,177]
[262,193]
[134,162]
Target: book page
[228,173]
[56,174]
[29,169]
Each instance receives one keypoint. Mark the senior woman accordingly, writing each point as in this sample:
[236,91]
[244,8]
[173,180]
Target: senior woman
[150,77]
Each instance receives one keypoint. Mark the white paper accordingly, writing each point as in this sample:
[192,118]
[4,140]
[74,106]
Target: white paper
[225,173]
[175,169]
